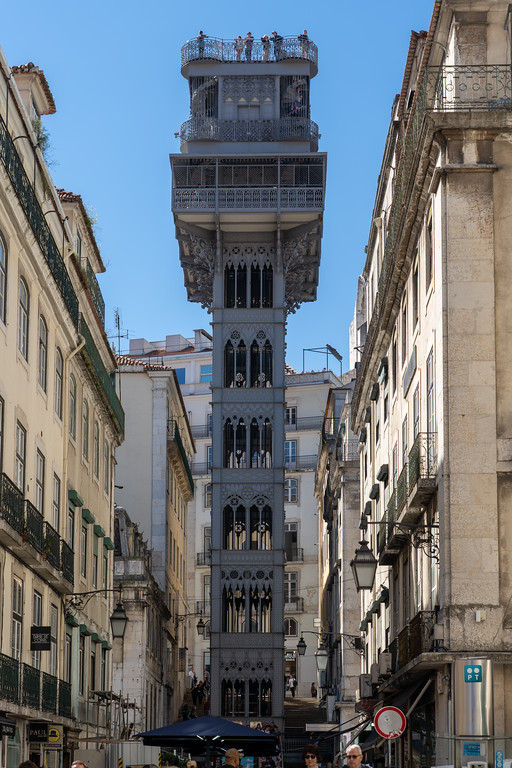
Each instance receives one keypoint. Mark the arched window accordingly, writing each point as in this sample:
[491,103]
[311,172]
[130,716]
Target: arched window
[290,627]
[23,314]
[42,363]
[96,449]
[72,405]
[232,698]
[233,609]
[3,280]
[229,444]
[261,609]
[235,286]
[85,429]
[261,527]
[260,698]
[235,527]
[261,286]
[235,364]
[106,466]
[261,364]
[59,374]
[261,444]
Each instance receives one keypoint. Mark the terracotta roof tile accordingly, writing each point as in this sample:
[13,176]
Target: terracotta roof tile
[31,67]
[133,361]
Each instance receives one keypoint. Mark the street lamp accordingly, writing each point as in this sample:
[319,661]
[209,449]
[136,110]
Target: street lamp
[321,658]
[78,600]
[364,566]
[355,641]
[118,621]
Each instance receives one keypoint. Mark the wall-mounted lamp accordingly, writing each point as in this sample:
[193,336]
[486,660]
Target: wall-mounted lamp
[364,566]
[78,600]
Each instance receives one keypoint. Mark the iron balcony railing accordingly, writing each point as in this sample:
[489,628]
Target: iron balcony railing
[203,558]
[348,450]
[101,376]
[294,554]
[401,488]
[203,607]
[173,433]
[200,468]
[9,678]
[30,686]
[421,633]
[51,545]
[301,462]
[64,695]
[33,527]
[11,503]
[304,423]
[201,430]
[93,287]
[260,198]
[224,50]
[442,89]
[49,690]
[35,216]
[281,129]
[294,604]
[423,458]
[67,562]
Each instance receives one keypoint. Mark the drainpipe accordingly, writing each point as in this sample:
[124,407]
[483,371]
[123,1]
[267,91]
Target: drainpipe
[65,414]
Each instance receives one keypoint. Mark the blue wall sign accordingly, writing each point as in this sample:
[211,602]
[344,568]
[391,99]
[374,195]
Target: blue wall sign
[471,748]
[473,673]
[499,759]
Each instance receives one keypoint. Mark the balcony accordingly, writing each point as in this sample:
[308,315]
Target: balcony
[201,430]
[9,679]
[283,129]
[468,87]
[200,468]
[174,439]
[294,554]
[11,509]
[35,216]
[305,423]
[390,541]
[401,489]
[294,605]
[51,545]
[301,463]
[415,638]
[33,527]
[422,470]
[30,686]
[102,378]
[93,288]
[269,199]
[203,607]
[347,451]
[217,49]
[203,558]
[64,708]
[49,690]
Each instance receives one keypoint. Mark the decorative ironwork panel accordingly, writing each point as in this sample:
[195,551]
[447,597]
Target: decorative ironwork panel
[403,647]
[423,458]
[401,487]
[65,709]
[421,633]
[67,562]
[51,546]
[33,211]
[11,503]
[50,683]
[459,88]
[173,433]
[33,528]
[94,288]
[285,129]
[217,49]
[203,558]
[9,678]
[30,686]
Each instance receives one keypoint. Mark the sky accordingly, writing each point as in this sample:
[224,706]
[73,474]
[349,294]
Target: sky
[114,72]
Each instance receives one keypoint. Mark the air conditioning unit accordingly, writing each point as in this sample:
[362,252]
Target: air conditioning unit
[374,674]
[365,687]
[477,764]
[385,661]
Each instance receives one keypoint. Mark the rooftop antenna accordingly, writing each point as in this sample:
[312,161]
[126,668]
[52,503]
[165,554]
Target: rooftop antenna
[327,350]
[124,334]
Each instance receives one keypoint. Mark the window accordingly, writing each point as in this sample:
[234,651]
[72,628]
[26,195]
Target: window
[85,429]
[290,453]
[290,490]
[37,620]
[103,670]
[208,495]
[291,537]
[83,551]
[106,466]
[395,465]
[21,447]
[72,406]
[206,372]
[81,665]
[430,393]
[105,569]
[42,366]
[291,416]
[3,280]
[78,243]
[17,618]
[67,659]
[404,334]
[180,374]
[92,673]
[54,626]
[70,532]
[416,412]
[1,431]
[59,374]
[394,364]
[56,502]
[207,539]
[290,586]
[95,564]
[40,462]
[209,457]
[96,449]
[415,308]
[404,442]
[428,250]
[23,308]
[290,627]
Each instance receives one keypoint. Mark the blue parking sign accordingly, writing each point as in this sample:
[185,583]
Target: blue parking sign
[473,673]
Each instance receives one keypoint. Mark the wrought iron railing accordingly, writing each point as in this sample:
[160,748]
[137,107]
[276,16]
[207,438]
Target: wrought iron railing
[201,430]
[421,633]
[30,686]
[102,377]
[348,450]
[248,198]
[403,647]
[199,468]
[203,558]
[11,503]
[49,690]
[281,129]
[301,462]
[203,607]
[93,287]
[305,423]
[294,604]
[33,528]
[67,560]
[423,458]
[294,554]
[387,522]
[469,87]
[35,216]
[9,678]
[51,545]
[65,708]
[224,50]
[173,433]
[401,489]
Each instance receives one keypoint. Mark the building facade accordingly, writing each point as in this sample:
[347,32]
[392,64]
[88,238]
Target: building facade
[247,199]
[60,423]
[431,402]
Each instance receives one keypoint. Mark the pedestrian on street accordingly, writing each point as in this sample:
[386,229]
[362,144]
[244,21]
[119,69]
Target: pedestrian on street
[311,756]
[314,691]
[354,756]
[292,684]
[233,757]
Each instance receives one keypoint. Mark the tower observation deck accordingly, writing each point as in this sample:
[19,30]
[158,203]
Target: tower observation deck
[248,195]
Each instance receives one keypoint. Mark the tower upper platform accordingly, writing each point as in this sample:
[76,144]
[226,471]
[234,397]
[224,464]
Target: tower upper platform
[249,95]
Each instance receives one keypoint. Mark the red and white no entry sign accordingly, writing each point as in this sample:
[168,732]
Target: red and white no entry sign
[390,722]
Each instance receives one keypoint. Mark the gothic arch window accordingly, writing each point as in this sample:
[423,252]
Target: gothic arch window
[234,527]
[260,603]
[261,444]
[261,363]
[232,698]
[261,527]
[261,286]
[233,609]
[260,698]
[229,444]
[235,286]
[240,444]
[290,627]
[235,364]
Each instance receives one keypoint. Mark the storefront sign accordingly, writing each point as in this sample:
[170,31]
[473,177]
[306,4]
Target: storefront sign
[38,732]
[471,748]
[473,673]
[40,638]
[7,727]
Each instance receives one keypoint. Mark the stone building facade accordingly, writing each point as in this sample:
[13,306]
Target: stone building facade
[431,402]
[247,199]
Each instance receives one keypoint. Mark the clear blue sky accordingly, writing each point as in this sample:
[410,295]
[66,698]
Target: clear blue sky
[114,71]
